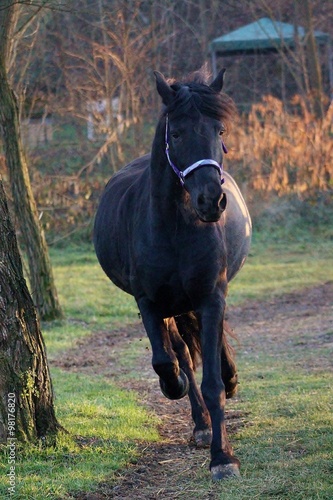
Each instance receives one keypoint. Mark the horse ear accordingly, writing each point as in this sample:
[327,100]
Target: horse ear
[163,88]
[217,84]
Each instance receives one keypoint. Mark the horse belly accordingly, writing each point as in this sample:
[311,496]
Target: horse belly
[173,301]
[113,230]
[115,267]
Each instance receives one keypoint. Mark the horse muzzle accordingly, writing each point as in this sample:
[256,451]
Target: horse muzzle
[209,208]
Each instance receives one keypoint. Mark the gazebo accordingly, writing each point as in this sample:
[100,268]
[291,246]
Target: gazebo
[264,36]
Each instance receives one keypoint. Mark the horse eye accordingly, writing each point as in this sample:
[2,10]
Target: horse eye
[175,135]
[221,131]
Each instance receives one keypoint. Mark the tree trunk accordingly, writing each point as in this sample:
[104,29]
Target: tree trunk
[313,64]
[40,271]
[26,396]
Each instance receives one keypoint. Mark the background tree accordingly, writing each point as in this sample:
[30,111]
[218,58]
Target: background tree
[303,9]
[40,270]
[23,365]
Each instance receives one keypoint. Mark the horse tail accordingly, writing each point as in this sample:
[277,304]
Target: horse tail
[189,329]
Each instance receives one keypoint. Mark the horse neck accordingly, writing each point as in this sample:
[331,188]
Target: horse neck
[166,191]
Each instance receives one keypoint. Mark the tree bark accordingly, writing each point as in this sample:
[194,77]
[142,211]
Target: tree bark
[26,396]
[40,271]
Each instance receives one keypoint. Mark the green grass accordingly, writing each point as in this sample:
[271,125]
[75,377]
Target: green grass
[104,424]
[273,273]
[286,448]
[86,293]
[284,260]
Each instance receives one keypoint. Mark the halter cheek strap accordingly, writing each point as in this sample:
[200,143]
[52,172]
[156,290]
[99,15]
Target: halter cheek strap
[181,174]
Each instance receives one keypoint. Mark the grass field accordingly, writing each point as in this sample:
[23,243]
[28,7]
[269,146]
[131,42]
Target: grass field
[106,423]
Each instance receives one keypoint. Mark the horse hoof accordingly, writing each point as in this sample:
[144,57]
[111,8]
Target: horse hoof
[178,392]
[225,471]
[202,438]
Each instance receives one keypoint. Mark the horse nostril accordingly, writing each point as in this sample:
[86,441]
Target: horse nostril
[223,202]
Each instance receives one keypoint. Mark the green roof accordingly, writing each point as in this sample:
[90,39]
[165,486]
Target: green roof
[264,34]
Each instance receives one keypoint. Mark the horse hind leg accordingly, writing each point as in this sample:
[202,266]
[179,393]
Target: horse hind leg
[183,331]
[228,366]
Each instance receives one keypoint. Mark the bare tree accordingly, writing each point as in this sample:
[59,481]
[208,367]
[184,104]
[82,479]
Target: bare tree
[304,11]
[105,59]
[40,270]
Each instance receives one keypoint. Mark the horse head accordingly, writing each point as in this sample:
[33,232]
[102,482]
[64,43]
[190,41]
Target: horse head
[194,124]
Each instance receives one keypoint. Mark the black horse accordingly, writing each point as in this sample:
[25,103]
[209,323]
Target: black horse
[172,229]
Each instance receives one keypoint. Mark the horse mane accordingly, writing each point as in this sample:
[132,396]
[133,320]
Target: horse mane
[194,95]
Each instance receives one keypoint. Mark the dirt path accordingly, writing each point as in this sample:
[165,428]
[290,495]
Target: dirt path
[165,470]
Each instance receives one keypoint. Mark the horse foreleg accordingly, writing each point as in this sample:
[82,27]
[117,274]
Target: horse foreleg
[173,381]
[223,463]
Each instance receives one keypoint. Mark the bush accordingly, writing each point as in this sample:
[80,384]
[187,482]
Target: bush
[283,152]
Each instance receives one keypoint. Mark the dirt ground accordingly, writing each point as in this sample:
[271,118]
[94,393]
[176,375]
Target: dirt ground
[164,470]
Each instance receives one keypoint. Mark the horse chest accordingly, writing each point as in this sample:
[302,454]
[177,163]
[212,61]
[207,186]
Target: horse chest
[175,276]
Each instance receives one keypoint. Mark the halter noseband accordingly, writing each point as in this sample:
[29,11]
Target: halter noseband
[181,174]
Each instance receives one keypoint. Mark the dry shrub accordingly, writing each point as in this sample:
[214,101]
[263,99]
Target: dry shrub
[66,203]
[282,152]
